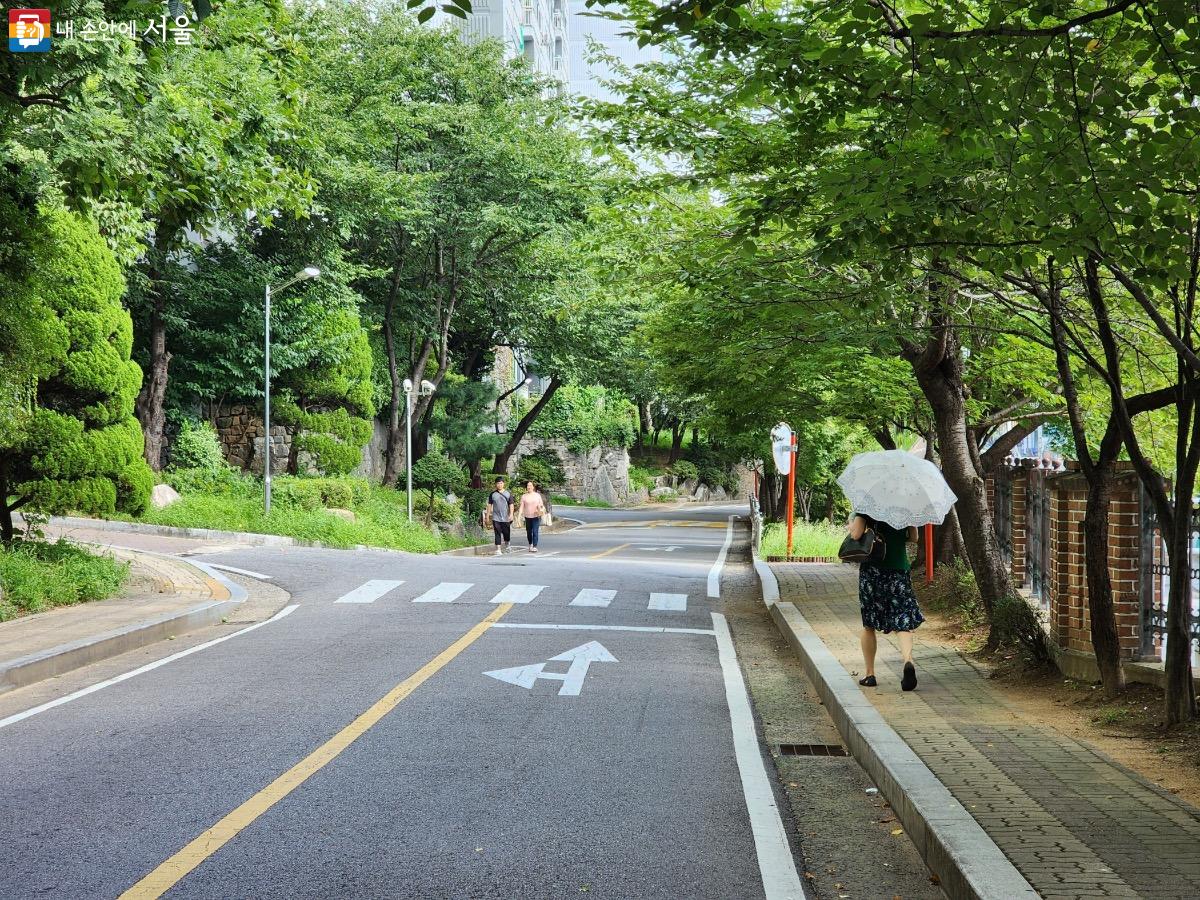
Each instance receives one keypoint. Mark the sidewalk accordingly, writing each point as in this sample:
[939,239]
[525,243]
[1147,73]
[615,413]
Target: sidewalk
[164,597]
[1074,823]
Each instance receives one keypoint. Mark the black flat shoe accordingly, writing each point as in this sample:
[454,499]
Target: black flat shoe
[869,681]
[909,681]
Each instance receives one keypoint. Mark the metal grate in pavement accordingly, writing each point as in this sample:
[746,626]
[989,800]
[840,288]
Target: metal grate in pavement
[812,750]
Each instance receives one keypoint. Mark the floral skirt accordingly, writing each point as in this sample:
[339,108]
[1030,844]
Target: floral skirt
[887,600]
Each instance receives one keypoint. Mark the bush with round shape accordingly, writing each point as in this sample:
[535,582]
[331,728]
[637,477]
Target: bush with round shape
[81,450]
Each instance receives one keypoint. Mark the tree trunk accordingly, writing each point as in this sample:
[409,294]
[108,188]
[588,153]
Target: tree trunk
[938,368]
[948,544]
[677,430]
[6,511]
[645,423]
[502,458]
[695,438]
[1105,643]
[395,441]
[150,405]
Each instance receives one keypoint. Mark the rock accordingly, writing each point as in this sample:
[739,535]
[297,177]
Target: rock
[450,498]
[687,487]
[719,493]
[663,493]
[345,514]
[163,496]
[662,481]
[641,495]
[604,489]
[702,493]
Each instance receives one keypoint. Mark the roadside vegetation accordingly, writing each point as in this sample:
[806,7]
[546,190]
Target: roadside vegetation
[810,539]
[37,576]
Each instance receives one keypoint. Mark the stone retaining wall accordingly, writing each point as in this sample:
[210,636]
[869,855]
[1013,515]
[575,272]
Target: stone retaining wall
[598,474]
[240,431]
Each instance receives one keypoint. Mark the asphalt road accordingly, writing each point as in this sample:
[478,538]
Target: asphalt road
[412,726]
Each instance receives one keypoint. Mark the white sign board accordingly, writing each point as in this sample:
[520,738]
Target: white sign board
[781,447]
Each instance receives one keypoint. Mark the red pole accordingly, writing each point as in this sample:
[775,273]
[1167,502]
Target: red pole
[791,510]
[929,554]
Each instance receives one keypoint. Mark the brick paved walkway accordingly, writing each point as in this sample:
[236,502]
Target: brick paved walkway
[1073,822]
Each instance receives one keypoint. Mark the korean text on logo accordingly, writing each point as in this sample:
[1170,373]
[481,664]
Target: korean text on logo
[29,30]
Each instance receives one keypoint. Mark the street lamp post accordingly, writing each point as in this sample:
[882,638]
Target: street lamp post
[408,386]
[426,390]
[303,275]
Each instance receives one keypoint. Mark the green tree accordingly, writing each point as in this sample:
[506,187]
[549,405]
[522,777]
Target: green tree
[440,474]
[82,449]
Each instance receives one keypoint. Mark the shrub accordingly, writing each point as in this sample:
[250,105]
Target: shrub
[808,539]
[541,467]
[586,417]
[641,478]
[227,481]
[197,447]
[80,448]
[684,470]
[37,576]
[314,493]
[439,474]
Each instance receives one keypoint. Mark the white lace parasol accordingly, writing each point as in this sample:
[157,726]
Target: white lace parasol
[898,488]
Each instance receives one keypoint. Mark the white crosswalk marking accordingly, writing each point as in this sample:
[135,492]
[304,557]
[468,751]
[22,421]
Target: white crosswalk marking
[593,597]
[369,592]
[446,592]
[669,602]
[518,593]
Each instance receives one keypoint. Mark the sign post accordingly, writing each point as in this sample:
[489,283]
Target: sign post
[783,447]
[929,554]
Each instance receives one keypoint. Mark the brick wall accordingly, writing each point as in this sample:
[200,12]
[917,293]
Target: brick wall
[1065,601]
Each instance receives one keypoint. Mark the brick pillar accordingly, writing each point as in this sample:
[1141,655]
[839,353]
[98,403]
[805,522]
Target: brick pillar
[1069,622]
[1124,559]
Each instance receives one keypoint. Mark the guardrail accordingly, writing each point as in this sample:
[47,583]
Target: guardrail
[756,524]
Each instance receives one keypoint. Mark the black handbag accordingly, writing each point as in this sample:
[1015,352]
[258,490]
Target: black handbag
[870,548]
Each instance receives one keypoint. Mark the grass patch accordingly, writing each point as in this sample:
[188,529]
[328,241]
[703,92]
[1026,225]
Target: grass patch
[37,576]
[590,503]
[381,516]
[808,539]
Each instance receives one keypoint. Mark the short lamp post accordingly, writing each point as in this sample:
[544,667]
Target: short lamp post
[303,275]
[427,389]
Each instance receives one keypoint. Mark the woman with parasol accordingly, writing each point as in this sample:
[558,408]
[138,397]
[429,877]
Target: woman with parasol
[891,492]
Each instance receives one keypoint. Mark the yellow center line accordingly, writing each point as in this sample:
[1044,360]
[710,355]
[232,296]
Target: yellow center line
[190,857]
[609,550]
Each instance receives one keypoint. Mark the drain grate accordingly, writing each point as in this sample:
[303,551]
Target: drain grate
[812,750]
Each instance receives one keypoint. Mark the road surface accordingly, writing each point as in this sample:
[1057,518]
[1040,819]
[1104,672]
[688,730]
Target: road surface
[570,723]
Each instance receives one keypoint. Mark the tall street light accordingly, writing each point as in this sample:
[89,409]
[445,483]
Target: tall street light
[427,389]
[303,275]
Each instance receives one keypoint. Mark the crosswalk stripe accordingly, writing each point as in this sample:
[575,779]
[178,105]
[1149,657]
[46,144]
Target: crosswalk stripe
[369,592]
[446,592]
[593,597]
[669,602]
[518,593]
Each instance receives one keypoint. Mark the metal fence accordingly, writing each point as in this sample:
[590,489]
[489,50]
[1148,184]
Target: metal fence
[1002,516]
[1037,541]
[1155,583]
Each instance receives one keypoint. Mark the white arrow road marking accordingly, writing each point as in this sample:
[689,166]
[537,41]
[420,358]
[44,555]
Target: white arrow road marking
[518,593]
[446,592]
[593,597]
[580,658]
[669,602]
[369,592]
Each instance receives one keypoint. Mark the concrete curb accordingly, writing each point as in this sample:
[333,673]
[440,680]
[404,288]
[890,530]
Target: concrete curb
[236,537]
[63,658]
[952,843]
[766,578]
